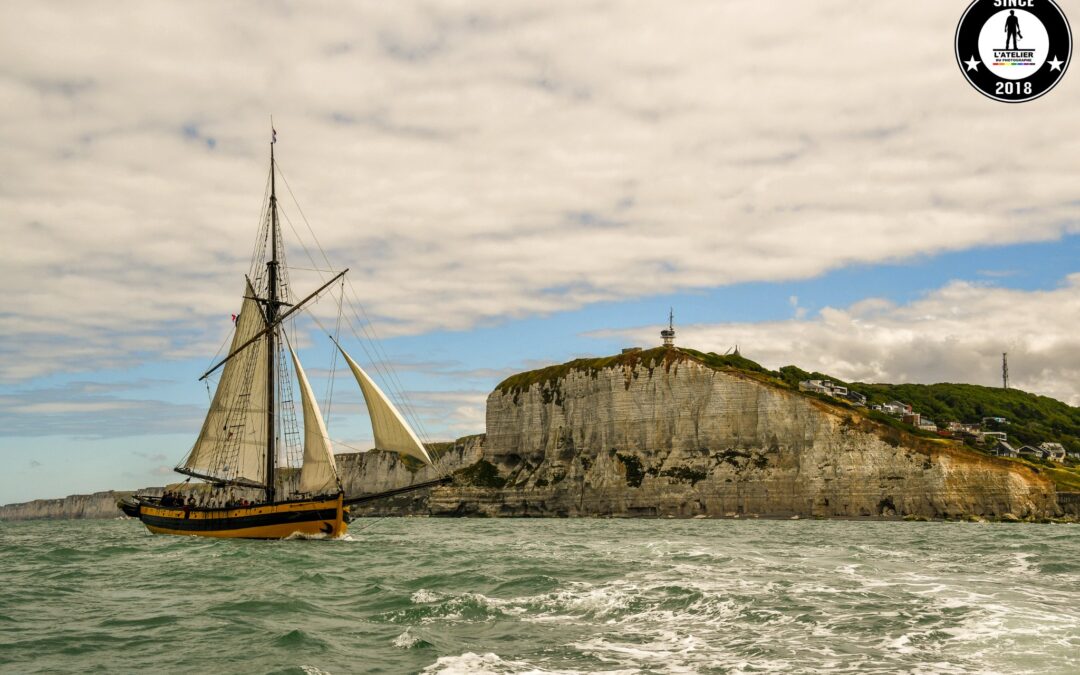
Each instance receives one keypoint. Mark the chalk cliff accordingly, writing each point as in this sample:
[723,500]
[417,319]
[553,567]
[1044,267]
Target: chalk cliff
[660,433]
[664,433]
[96,505]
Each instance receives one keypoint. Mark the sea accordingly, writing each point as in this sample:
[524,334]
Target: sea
[418,595]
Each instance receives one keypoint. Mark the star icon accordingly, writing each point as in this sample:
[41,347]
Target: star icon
[972,64]
[1055,64]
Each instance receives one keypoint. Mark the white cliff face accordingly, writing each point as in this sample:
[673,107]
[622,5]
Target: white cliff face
[97,505]
[375,471]
[665,435]
[677,438]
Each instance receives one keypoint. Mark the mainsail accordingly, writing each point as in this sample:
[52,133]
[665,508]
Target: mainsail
[232,443]
[318,475]
[391,431]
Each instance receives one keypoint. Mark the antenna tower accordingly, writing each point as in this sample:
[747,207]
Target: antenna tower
[668,334]
[1005,370]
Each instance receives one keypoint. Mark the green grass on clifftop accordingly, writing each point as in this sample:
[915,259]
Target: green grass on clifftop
[545,376]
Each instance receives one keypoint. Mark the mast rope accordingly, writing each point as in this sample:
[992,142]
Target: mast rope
[334,357]
[256,252]
[371,525]
[435,464]
[307,269]
[380,359]
[260,237]
[347,445]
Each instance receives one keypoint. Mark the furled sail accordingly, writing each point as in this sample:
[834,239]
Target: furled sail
[232,443]
[391,431]
[319,474]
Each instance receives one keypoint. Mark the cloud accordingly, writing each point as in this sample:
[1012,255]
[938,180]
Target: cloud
[91,412]
[478,161]
[954,334]
[458,412]
[800,312]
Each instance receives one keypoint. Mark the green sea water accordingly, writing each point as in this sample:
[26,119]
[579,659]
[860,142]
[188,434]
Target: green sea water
[545,596]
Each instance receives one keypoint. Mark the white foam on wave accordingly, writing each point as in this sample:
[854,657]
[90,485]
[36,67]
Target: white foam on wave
[305,537]
[676,652]
[762,613]
[423,596]
[582,599]
[406,640]
[455,607]
[1020,562]
[470,663]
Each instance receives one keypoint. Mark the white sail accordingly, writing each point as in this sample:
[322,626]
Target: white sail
[232,443]
[392,432]
[319,473]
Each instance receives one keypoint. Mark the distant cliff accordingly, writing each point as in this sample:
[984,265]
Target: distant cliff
[663,433]
[97,505]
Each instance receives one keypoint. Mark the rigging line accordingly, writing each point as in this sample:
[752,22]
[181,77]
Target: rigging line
[383,366]
[307,252]
[263,209]
[371,525]
[337,332]
[228,334]
[346,445]
[396,385]
[385,369]
[380,362]
[307,269]
[333,359]
[254,256]
[377,356]
[438,458]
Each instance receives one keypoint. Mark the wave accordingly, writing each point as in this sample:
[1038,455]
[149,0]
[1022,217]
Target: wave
[409,641]
[507,596]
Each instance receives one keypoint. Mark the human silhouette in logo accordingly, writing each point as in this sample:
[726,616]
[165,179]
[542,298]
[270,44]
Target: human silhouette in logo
[1012,30]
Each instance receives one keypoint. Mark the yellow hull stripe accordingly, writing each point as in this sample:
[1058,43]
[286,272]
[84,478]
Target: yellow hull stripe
[319,517]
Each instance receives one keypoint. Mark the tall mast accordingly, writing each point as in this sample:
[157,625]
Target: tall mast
[271,342]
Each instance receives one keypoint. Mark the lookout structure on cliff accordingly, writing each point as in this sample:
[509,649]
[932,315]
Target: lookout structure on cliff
[668,334]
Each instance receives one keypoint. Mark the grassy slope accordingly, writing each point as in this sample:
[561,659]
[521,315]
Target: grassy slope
[1032,418]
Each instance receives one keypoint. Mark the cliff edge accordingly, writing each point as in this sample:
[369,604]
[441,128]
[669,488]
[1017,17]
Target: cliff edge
[672,432]
[663,433]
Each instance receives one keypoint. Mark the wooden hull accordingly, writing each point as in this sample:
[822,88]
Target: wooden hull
[325,516]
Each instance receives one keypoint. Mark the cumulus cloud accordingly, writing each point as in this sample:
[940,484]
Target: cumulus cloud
[954,334]
[476,161]
[87,411]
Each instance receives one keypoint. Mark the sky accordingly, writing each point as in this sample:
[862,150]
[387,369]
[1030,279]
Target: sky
[511,184]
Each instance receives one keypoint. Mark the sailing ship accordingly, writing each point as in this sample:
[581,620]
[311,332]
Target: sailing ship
[252,416]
